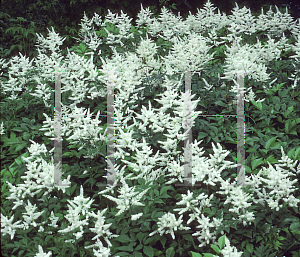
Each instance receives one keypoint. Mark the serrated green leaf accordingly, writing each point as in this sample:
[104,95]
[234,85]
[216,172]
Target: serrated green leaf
[275,145]
[260,106]
[297,153]
[18,161]
[20,147]
[188,237]
[256,162]
[208,255]
[196,254]
[12,136]
[148,250]
[281,238]
[271,160]
[249,247]
[126,248]
[123,239]
[67,154]
[216,248]
[17,129]
[291,152]
[221,241]
[288,111]
[295,226]
[288,220]
[270,142]
[163,241]
[287,126]
[170,252]
[137,254]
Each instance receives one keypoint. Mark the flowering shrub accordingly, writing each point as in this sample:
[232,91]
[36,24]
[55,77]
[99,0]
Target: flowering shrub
[144,222]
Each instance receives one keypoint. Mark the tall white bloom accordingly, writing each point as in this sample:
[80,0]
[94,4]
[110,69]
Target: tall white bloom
[168,221]
[230,251]
[42,254]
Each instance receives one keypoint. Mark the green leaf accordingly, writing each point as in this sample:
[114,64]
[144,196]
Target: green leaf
[174,6]
[271,160]
[20,147]
[12,136]
[164,189]
[70,191]
[18,161]
[142,181]
[288,125]
[208,255]
[149,240]
[163,241]
[288,111]
[26,136]
[196,254]
[275,145]
[123,239]
[295,227]
[270,142]
[148,250]
[258,105]
[249,247]
[17,129]
[288,220]
[297,153]
[82,47]
[137,254]
[201,135]
[281,238]
[126,248]
[188,237]
[170,252]
[24,127]
[256,162]
[292,128]
[220,103]
[291,152]
[266,227]
[221,241]
[216,248]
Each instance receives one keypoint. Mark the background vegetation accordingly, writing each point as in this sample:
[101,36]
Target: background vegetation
[21,19]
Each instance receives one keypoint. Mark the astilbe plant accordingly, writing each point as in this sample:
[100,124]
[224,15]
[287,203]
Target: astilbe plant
[81,78]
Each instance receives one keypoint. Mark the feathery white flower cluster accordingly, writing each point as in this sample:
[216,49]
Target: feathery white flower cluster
[230,251]
[190,52]
[39,173]
[127,198]
[75,123]
[73,70]
[42,254]
[278,181]
[168,220]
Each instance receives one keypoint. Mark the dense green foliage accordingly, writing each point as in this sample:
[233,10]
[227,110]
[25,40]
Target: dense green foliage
[20,20]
